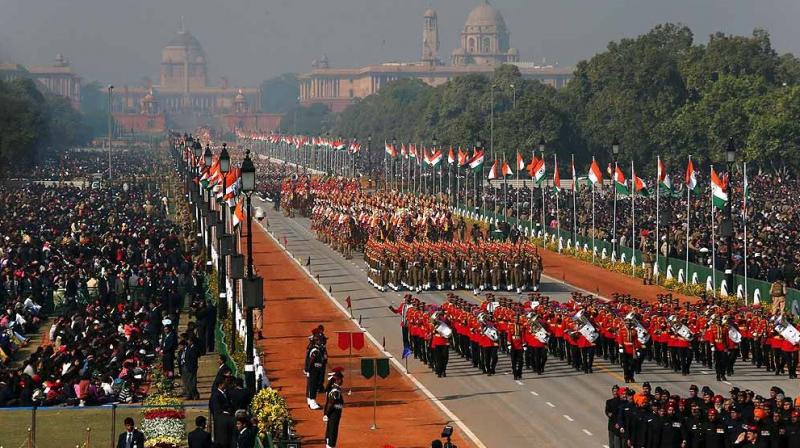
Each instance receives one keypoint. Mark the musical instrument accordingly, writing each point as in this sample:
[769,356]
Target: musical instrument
[679,328]
[585,327]
[490,332]
[444,330]
[733,332]
[641,333]
[787,330]
[536,328]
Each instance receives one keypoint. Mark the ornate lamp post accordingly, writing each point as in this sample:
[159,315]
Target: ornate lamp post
[252,287]
[727,228]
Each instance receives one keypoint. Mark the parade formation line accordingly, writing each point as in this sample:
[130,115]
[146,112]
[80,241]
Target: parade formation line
[294,305]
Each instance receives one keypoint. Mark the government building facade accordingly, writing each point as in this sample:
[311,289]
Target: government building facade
[485,44]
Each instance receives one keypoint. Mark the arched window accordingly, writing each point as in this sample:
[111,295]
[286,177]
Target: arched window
[471,45]
[486,45]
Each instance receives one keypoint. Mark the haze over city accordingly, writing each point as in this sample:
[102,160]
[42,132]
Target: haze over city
[248,41]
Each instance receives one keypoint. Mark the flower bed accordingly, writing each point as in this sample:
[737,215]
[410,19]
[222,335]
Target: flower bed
[163,422]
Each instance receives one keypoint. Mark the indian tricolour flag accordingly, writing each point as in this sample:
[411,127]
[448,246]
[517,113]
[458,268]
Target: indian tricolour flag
[639,186]
[620,183]
[451,156]
[477,160]
[691,177]
[435,159]
[493,171]
[506,169]
[664,181]
[595,175]
[537,169]
[556,176]
[520,162]
[719,193]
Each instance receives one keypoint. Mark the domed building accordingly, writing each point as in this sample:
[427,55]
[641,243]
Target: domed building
[485,43]
[485,39]
[185,99]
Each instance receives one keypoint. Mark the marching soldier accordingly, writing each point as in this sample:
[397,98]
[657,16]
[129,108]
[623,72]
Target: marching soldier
[629,344]
[719,339]
[516,346]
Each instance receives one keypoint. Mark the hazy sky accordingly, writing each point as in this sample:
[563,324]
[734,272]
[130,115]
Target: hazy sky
[251,40]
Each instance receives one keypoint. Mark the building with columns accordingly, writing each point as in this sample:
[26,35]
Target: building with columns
[186,98]
[485,44]
[58,78]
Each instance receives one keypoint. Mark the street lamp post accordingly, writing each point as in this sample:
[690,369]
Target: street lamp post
[224,167]
[542,145]
[110,124]
[207,159]
[248,173]
[730,158]
[615,153]
[369,153]
[433,170]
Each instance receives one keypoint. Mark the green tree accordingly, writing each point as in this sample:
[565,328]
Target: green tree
[279,95]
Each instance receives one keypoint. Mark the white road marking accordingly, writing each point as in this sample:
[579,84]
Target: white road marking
[550,404]
[586,431]
[727,383]
[569,418]
[534,394]
[520,382]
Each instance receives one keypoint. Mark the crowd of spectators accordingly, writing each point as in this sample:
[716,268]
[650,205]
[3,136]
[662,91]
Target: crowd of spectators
[108,267]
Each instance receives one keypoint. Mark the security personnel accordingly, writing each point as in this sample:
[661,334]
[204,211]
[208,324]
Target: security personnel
[333,409]
[315,372]
[713,431]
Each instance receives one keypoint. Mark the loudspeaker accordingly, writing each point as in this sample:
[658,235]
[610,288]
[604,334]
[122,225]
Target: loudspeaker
[253,292]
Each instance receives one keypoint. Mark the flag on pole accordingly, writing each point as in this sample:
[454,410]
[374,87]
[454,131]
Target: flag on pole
[691,177]
[238,213]
[412,151]
[477,159]
[718,189]
[639,185]
[746,193]
[462,157]
[537,169]
[434,159]
[506,169]
[520,162]
[451,157]
[620,183]
[574,175]
[556,176]
[391,150]
[664,181]
[492,172]
[595,175]
[403,150]
[610,170]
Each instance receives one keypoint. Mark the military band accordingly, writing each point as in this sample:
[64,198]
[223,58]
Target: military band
[624,331]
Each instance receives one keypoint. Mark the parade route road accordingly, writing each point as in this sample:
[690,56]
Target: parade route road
[562,408]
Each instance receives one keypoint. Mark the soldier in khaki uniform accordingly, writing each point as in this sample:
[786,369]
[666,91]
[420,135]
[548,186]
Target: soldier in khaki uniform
[777,291]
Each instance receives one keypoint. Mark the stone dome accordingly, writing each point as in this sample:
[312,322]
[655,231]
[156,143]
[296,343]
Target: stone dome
[485,15]
[181,45]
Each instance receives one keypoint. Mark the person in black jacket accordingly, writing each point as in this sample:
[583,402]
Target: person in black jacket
[246,434]
[199,438]
[713,431]
[673,430]
[189,365]
[132,437]
[169,343]
[220,407]
[611,410]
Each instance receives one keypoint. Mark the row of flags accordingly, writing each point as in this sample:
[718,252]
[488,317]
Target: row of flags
[211,178]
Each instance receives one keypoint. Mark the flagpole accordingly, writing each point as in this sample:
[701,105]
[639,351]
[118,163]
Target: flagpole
[744,222]
[633,219]
[541,187]
[533,154]
[516,207]
[505,189]
[614,218]
[593,228]
[558,214]
[574,209]
[688,221]
[713,243]
[458,184]
[658,200]
[385,169]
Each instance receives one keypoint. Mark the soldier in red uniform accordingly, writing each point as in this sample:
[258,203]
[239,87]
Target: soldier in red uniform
[514,336]
[629,346]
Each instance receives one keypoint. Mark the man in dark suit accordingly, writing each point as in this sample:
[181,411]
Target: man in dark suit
[132,437]
[199,438]
[169,343]
[246,434]
[220,407]
[222,370]
[189,359]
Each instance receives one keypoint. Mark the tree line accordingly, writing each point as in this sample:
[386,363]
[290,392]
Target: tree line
[33,125]
[660,93]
